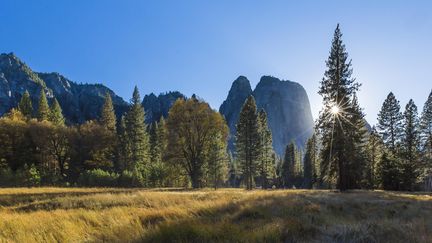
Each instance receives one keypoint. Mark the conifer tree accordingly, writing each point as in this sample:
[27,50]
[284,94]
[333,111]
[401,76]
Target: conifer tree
[56,115]
[426,135]
[410,145]
[248,141]
[335,123]
[390,122]
[287,168]
[374,148]
[124,154]
[43,111]
[266,167]
[136,135]
[388,172]
[357,135]
[25,105]
[108,117]
[217,161]
[309,163]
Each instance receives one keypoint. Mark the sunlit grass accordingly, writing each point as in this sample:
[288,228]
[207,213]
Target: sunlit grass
[228,215]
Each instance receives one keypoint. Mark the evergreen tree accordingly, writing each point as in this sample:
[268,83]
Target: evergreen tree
[335,121]
[388,172]
[217,161]
[248,141]
[25,105]
[108,117]
[266,167]
[56,115]
[426,136]
[390,122]
[136,135]
[357,136]
[374,148]
[410,145]
[287,168]
[124,152]
[309,163]
[43,111]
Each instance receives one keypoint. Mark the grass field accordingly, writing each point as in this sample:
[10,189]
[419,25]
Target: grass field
[228,215]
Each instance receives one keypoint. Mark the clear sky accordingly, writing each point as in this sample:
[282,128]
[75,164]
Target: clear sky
[201,46]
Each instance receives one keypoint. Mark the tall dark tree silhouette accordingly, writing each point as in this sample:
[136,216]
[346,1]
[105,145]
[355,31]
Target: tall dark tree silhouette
[248,141]
[335,124]
[410,145]
[390,122]
[426,135]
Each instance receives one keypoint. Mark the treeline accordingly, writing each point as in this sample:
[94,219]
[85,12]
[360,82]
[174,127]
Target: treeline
[189,148]
[395,155]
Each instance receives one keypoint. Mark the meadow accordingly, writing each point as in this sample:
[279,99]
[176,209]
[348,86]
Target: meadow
[226,215]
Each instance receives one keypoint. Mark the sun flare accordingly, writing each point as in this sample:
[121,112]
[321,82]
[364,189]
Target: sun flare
[335,110]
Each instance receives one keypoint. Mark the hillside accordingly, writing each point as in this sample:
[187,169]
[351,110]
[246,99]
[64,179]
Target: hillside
[229,215]
[285,102]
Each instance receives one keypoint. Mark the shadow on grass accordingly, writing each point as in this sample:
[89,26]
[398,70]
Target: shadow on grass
[323,217]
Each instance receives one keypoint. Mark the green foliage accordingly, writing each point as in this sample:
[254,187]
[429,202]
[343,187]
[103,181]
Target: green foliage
[389,172]
[56,115]
[43,112]
[410,146]
[374,150]
[98,178]
[287,169]
[217,161]
[135,135]
[192,125]
[248,142]
[390,122]
[266,163]
[426,137]
[25,176]
[25,105]
[336,130]
[108,118]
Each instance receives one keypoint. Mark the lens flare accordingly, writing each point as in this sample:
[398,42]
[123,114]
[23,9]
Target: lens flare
[335,110]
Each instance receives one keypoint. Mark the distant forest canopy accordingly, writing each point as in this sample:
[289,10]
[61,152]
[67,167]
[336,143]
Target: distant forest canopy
[189,148]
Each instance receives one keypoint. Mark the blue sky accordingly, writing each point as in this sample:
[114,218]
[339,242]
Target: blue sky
[202,46]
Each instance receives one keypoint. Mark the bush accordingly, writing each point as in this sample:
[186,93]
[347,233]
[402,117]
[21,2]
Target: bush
[98,177]
[131,179]
[27,176]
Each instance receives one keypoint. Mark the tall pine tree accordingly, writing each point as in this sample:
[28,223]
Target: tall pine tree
[410,145]
[426,136]
[390,122]
[288,164]
[25,105]
[248,141]
[136,135]
[335,121]
[43,111]
[266,167]
[56,115]
[108,117]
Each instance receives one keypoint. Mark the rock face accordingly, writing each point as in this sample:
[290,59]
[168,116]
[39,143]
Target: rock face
[286,104]
[230,108]
[158,106]
[79,102]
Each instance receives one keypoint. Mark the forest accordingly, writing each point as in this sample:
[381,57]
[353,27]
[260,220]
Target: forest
[189,147]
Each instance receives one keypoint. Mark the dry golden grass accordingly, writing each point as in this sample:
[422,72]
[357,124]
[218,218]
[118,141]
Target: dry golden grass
[228,215]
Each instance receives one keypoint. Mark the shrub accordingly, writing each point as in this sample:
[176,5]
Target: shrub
[98,177]
[27,176]
[131,179]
